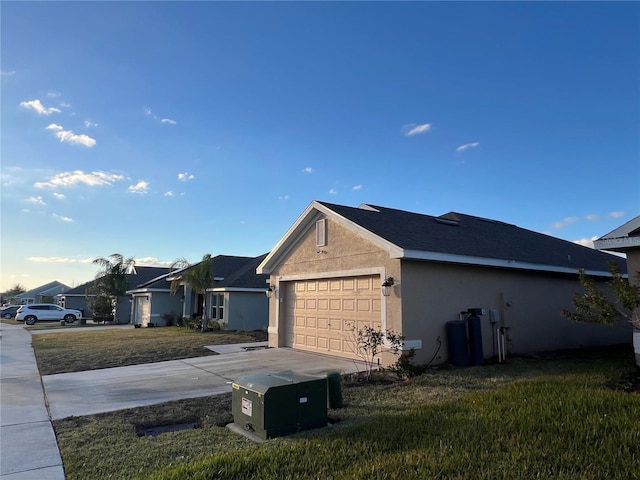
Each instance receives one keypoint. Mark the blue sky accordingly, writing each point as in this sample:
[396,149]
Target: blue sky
[162,130]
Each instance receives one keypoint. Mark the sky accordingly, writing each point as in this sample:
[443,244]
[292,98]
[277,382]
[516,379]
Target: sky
[162,130]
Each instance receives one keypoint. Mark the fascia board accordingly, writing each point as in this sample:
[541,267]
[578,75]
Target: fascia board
[617,244]
[237,289]
[623,230]
[289,240]
[494,262]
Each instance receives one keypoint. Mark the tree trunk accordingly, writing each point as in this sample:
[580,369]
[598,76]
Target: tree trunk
[205,318]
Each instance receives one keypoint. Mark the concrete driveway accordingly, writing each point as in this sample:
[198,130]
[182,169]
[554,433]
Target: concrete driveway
[96,391]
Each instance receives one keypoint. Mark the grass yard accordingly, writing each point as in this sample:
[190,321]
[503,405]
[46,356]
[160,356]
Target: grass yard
[94,349]
[560,416]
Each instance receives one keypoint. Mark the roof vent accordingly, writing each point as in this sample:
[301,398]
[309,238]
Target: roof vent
[446,221]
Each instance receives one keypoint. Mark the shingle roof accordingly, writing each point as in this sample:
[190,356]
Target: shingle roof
[142,275]
[236,272]
[466,235]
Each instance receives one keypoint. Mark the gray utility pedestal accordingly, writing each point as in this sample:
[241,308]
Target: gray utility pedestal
[276,404]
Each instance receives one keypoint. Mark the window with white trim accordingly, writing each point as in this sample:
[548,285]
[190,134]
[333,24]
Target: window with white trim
[217,307]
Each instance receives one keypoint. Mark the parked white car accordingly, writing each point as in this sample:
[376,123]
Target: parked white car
[38,312]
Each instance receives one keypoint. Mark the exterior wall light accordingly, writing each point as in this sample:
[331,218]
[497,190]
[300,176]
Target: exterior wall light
[271,290]
[386,286]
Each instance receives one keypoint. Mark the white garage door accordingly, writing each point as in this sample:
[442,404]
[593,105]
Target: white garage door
[320,314]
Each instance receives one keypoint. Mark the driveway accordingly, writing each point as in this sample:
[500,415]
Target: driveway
[96,391]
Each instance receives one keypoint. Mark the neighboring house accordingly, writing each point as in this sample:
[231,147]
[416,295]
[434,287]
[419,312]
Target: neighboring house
[237,300]
[328,271]
[77,297]
[626,239]
[43,294]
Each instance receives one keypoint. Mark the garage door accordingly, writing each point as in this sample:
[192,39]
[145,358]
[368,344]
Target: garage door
[319,314]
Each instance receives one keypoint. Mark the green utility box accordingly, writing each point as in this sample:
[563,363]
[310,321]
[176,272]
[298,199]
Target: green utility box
[276,404]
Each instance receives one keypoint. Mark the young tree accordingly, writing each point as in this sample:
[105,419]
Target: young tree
[112,280]
[199,277]
[595,306]
[17,289]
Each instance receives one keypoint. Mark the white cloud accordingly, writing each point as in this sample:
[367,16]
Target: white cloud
[147,111]
[7,73]
[284,197]
[183,177]
[357,187]
[153,262]
[140,187]
[59,196]
[586,242]
[53,94]
[413,129]
[37,200]
[90,124]
[333,191]
[616,214]
[62,218]
[591,218]
[78,177]
[168,194]
[307,170]
[564,222]
[50,260]
[70,137]
[464,147]
[65,105]
[38,107]
[169,121]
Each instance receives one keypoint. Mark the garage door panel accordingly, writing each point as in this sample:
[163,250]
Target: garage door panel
[351,302]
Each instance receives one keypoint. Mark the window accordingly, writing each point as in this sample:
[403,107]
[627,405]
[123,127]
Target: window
[217,307]
[321,233]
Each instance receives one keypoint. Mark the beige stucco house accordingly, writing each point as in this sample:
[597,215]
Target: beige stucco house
[626,239]
[327,271]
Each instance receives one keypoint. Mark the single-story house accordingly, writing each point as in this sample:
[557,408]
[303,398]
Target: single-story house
[626,239]
[335,266]
[77,296]
[42,294]
[237,300]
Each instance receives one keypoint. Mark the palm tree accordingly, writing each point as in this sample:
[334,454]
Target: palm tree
[199,277]
[112,279]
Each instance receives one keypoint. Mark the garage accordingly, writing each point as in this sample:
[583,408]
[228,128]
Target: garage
[319,313]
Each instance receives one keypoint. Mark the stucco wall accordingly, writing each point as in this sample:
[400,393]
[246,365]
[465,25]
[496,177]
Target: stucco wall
[345,254]
[78,303]
[164,303]
[529,303]
[246,311]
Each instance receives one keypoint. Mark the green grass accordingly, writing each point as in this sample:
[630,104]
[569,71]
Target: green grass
[94,349]
[552,417]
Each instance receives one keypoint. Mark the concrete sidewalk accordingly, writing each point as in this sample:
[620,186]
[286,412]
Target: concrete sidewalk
[28,447]
[97,391]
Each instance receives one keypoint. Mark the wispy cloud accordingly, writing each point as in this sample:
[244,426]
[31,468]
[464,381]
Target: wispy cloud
[59,196]
[70,137]
[283,197]
[307,170]
[37,200]
[183,177]
[147,111]
[78,177]
[617,214]
[59,260]
[89,124]
[65,105]
[53,94]
[62,218]
[153,262]
[140,187]
[413,129]
[564,222]
[586,242]
[7,73]
[466,146]
[168,194]
[169,121]
[333,191]
[38,107]
[356,187]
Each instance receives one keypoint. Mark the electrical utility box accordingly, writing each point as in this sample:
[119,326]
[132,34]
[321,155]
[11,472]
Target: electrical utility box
[276,404]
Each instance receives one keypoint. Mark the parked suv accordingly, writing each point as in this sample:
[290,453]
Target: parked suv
[37,312]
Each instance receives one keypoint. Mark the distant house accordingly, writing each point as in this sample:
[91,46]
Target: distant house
[340,267]
[626,239]
[237,300]
[77,297]
[44,294]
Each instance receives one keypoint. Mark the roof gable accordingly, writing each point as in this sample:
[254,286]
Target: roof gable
[453,237]
[623,238]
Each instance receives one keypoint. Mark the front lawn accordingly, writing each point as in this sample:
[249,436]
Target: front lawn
[93,349]
[559,416]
